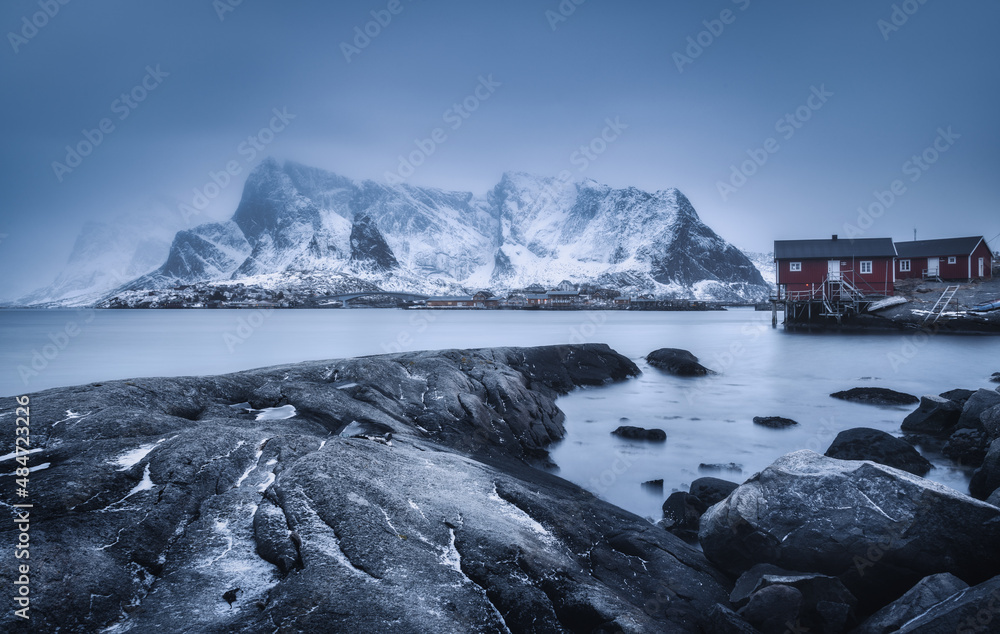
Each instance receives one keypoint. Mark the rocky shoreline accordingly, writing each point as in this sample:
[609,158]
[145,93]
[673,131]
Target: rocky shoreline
[399,493]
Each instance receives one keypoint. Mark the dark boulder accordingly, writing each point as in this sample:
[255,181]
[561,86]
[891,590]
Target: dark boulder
[928,592]
[986,478]
[676,361]
[978,403]
[715,467]
[976,609]
[656,485]
[826,605]
[967,447]
[935,415]
[681,514]
[879,529]
[994,498]
[863,443]
[876,396]
[995,377]
[722,620]
[774,422]
[991,422]
[712,490]
[773,610]
[639,433]
[959,395]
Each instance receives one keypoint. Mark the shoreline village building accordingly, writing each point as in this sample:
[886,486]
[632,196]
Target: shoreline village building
[948,259]
[803,267]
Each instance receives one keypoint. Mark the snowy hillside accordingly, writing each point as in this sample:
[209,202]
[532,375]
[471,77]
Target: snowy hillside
[296,223]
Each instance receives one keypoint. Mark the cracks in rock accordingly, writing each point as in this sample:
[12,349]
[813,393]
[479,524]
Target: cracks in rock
[464,571]
[339,554]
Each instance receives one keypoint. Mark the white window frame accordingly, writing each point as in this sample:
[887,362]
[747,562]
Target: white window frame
[866,264]
[952,259]
[904,266]
[795,267]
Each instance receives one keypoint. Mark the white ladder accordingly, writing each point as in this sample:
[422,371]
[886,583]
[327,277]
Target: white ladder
[943,302]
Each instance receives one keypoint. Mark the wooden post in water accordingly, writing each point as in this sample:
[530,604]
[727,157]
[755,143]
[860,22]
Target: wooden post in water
[774,314]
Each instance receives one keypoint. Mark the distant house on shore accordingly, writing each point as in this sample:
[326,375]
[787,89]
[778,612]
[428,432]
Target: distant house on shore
[948,259]
[482,299]
[803,266]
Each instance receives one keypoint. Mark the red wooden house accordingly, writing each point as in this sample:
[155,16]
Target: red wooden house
[804,266]
[948,259]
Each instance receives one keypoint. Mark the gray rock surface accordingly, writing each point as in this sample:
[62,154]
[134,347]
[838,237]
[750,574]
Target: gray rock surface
[935,415]
[991,421]
[875,396]
[967,447]
[974,610]
[640,433]
[973,409]
[986,478]
[825,605]
[712,490]
[167,506]
[676,361]
[774,422]
[863,443]
[928,592]
[879,529]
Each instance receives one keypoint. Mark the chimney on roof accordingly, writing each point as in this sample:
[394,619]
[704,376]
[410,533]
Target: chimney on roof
[834,236]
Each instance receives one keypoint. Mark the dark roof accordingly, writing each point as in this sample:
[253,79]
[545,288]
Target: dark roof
[840,248]
[948,246]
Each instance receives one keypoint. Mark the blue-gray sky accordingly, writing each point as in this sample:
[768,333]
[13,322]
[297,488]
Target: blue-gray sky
[889,88]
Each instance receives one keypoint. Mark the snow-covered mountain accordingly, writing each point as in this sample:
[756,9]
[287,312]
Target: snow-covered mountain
[107,254]
[296,224]
[765,264]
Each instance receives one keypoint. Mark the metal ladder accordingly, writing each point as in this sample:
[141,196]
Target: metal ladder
[943,302]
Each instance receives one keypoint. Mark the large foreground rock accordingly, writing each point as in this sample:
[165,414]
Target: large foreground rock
[864,443]
[879,529]
[380,494]
[676,361]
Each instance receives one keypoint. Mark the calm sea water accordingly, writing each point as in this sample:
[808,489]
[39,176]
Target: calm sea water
[761,372]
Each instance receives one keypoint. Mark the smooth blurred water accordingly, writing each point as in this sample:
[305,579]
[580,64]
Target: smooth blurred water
[762,372]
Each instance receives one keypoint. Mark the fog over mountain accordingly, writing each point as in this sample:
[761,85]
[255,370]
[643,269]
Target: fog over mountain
[296,224]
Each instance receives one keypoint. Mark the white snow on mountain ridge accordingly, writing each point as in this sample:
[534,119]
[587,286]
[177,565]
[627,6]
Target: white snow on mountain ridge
[297,225]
